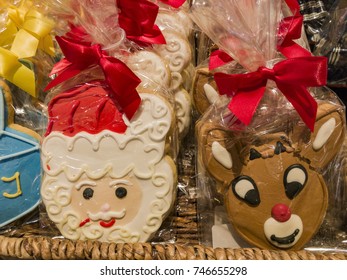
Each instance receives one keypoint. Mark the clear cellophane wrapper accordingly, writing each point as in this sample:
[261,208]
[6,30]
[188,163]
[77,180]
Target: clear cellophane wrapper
[149,140]
[245,171]
[16,18]
[210,59]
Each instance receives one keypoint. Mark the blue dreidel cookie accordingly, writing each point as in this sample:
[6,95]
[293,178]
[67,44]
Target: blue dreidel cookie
[20,169]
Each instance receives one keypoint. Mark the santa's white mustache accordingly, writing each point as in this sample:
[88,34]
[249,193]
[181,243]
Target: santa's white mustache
[105,216]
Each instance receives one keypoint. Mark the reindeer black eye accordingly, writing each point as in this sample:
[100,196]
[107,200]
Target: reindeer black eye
[88,193]
[121,192]
[294,180]
[246,189]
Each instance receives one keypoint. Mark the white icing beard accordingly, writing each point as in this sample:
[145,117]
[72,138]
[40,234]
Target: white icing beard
[156,201]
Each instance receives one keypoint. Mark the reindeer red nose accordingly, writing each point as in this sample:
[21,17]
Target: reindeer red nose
[281,213]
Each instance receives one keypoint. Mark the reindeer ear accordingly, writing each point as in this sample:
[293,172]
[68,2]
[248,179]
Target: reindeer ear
[204,90]
[326,140]
[218,154]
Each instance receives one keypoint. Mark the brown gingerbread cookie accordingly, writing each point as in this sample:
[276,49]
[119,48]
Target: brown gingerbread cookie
[274,191]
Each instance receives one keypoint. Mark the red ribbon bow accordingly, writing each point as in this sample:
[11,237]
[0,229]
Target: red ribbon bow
[174,3]
[292,77]
[137,18]
[80,56]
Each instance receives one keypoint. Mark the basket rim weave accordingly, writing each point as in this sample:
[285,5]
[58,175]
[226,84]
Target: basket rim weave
[62,249]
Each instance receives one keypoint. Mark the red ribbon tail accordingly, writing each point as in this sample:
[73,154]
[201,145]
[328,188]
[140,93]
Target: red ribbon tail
[174,3]
[219,58]
[67,74]
[303,102]
[293,6]
[292,50]
[131,108]
[123,83]
[60,66]
[145,40]
[244,104]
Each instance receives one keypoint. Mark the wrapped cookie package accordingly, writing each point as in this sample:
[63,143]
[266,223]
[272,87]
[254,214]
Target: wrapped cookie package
[270,156]
[114,129]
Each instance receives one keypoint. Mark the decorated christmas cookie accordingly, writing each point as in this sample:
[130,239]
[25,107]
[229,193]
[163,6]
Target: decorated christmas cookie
[273,185]
[150,68]
[175,20]
[107,178]
[20,173]
[177,50]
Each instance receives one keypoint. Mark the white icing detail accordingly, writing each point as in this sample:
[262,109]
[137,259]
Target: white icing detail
[296,175]
[176,81]
[281,230]
[85,183]
[222,155]
[177,51]
[324,133]
[179,21]
[105,216]
[242,187]
[138,149]
[120,182]
[149,67]
[183,111]
[211,94]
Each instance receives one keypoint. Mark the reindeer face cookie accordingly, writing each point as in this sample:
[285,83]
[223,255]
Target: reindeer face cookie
[274,191]
[107,178]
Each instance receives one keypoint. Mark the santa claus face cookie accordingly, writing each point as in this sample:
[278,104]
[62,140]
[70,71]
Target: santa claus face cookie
[274,191]
[107,178]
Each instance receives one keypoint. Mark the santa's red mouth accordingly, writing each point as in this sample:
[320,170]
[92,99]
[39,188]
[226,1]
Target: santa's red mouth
[108,223]
[105,224]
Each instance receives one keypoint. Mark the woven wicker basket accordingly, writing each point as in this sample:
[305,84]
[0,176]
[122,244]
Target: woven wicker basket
[32,242]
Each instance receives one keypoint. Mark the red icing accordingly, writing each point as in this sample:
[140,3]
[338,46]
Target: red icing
[281,213]
[107,224]
[84,222]
[90,108]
